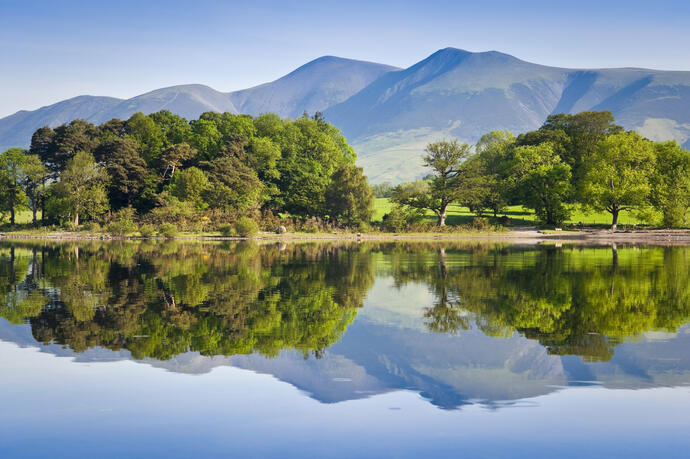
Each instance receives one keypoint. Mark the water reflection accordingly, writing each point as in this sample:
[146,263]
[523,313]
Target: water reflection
[454,322]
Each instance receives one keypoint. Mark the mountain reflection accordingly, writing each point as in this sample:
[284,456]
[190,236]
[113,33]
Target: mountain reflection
[456,322]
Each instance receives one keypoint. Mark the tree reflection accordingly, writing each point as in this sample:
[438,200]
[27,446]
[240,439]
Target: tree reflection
[574,301]
[162,299]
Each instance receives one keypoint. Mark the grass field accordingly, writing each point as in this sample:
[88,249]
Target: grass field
[21,218]
[519,216]
[457,215]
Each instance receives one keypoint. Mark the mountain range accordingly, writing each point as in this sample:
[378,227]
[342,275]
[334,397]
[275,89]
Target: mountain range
[389,114]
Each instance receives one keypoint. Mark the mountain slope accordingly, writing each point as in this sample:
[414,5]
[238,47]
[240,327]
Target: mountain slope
[315,86]
[188,101]
[456,93]
[16,130]
[390,114]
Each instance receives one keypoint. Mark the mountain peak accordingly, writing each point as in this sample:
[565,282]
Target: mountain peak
[314,86]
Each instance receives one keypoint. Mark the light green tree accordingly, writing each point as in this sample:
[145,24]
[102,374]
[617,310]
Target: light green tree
[542,182]
[619,174]
[444,158]
[12,197]
[82,185]
[671,184]
[189,185]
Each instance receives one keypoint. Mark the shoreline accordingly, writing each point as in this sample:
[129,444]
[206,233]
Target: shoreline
[519,235]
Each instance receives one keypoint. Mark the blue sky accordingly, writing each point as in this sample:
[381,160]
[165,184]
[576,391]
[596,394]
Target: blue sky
[53,50]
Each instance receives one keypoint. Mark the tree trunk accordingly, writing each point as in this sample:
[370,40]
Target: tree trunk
[33,210]
[43,204]
[12,215]
[614,223]
[76,219]
[442,216]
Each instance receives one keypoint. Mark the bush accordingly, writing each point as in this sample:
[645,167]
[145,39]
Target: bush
[401,218]
[480,224]
[147,230]
[311,226]
[167,230]
[121,227]
[226,230]
[93,227]
[246,227]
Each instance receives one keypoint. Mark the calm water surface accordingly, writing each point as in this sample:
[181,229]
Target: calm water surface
[317,350]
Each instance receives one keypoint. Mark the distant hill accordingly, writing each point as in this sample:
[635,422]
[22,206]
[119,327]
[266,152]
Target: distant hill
[188,101]
[456,93]
[16,129]
[390,114]
[315,86]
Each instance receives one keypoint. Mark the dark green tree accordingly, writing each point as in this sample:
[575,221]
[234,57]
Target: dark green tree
[350,199]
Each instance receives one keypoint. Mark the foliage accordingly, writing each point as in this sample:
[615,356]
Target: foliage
[542,180]
[670,184]
[226,229]
[189,185]
[223,163]
[82,186]
[443,187]
[350,199]
[147,230]
[246,227]
[619,174]
[168,230]
[400,218]
[12,196]
[382,190]
[121,227]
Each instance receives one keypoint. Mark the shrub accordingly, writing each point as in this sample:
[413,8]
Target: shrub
[480,224]
[311,226]
[401,218]
[167,230]
[246,227]
[147,230]
[93,227]
[121,227]
[226,230]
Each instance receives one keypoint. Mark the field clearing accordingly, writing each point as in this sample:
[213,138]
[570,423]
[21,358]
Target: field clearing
[519,216]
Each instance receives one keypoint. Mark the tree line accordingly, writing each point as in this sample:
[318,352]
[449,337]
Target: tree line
[583,159]
[163,168]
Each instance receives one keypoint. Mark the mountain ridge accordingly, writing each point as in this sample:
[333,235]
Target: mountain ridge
[389,114]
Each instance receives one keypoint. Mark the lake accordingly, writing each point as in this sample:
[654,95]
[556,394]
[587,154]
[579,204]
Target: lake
[407,349]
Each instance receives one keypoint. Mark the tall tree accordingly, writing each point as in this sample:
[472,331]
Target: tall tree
[11,176]
[33,182]
[233,185]
[78,135]
[671,183]
[82,185]
[584,130]
[189,185]
[542,182]
[126,170]
[444,158]
[148,135]
[619,174]
[486,172]
[350,199]
[174,157]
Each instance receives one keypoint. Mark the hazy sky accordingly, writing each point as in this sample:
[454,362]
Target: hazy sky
[53,50]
